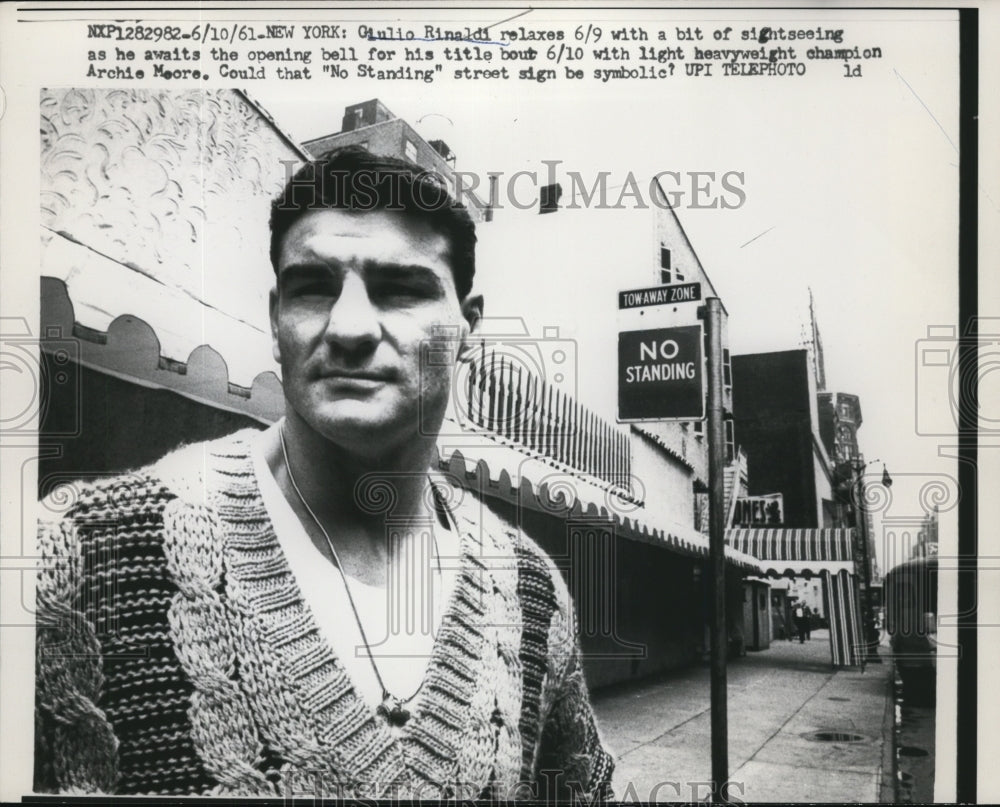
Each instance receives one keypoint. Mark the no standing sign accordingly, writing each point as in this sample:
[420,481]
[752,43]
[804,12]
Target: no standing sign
[661,374]
[661,370]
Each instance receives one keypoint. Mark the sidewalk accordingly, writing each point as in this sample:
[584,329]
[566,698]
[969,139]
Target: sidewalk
[660,730]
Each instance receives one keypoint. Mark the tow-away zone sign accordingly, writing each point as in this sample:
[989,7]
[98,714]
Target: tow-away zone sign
[661,374]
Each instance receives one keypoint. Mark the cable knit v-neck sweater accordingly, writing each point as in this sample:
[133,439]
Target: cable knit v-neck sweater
[176,656]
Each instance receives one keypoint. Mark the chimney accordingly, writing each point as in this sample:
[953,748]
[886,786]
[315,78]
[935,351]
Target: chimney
[549,198]
[367,113]
[442,149]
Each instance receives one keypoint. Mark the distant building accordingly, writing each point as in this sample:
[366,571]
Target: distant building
[371,125]
[839,421]
[840,418]
[927,537]
[778,423]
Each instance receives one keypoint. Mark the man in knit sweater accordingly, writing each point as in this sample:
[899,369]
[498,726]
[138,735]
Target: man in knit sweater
[311,609]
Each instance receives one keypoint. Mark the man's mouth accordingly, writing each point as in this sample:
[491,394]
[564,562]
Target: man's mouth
[357,376]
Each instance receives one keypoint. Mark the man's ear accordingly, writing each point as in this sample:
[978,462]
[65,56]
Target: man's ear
[273,311]
[472,312]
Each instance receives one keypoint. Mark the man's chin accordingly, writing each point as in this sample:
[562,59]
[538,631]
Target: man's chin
[365,429]
[372,426]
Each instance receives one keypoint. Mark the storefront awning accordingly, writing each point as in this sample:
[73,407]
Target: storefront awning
[505,469]
[796,552]
[824,553]
[136,349]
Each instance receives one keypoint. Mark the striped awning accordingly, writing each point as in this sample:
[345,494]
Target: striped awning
[496,466]
[796,551]
[842,599]
[824,553]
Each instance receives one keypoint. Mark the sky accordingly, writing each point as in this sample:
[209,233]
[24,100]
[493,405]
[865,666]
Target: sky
[851,191]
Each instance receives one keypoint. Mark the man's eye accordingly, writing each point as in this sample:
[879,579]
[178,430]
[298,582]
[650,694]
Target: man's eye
[398,290]
[313,288]
[324,289]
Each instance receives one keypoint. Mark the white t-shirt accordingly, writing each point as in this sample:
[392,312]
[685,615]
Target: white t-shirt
[402,647]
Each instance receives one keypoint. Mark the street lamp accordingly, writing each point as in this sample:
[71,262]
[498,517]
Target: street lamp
[869,628]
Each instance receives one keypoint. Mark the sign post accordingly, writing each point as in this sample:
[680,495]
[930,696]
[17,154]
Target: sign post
[662,376]
[712,314]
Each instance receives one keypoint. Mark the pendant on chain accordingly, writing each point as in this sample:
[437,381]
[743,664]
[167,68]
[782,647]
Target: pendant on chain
[393,710]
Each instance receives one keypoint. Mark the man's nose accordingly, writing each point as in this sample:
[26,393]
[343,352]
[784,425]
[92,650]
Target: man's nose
[354,321]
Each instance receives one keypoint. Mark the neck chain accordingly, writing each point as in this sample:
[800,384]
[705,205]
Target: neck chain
[392,708]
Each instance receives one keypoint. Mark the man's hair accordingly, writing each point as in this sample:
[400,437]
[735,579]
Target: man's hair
[354,179]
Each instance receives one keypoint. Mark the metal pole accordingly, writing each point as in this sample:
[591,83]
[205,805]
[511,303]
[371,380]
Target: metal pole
[717,537]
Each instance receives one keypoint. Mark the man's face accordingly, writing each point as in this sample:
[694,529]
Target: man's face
[359,299]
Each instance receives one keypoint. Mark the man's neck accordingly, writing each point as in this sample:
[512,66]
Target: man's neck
[351,496]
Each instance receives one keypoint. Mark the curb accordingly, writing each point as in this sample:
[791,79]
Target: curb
[888,779]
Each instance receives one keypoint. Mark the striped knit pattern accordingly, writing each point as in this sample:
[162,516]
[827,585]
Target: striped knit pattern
[537,594]
[120,598]
[177,656]
[75,743]
[221,724]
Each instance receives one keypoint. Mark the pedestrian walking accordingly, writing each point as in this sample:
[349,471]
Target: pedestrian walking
[807,618]
[800,622]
